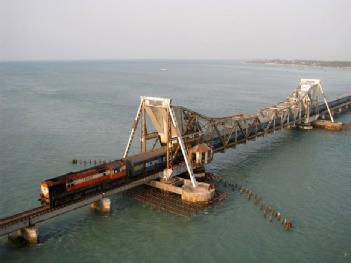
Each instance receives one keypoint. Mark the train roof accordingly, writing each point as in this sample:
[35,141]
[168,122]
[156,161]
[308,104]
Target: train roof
[114,164]
[137,158]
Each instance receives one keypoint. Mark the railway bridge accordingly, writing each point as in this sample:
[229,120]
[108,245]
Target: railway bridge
[190,139]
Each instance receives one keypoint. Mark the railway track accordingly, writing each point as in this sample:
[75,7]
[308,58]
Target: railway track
[23,215]
[42,213]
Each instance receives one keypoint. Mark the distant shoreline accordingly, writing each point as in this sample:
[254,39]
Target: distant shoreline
[299,62]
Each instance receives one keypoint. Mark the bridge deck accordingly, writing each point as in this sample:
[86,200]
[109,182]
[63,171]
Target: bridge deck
[43,213]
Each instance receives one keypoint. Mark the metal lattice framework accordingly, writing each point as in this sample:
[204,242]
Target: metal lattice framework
[164,121]
[301,107]
[179,129]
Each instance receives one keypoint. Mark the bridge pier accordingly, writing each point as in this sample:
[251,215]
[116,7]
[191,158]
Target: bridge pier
[305,126]
[103,205]
[29,234]
[202,193]
[328,125]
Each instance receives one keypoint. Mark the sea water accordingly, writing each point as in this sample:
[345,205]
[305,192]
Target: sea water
[53,112]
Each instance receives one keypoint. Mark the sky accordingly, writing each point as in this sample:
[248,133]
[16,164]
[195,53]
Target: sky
[175,29]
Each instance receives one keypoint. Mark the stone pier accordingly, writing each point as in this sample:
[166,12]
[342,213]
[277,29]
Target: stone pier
[29,234]
[102,205]
[328,125]
[202,193]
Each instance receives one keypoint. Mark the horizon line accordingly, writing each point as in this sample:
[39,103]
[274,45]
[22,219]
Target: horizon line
[164,59]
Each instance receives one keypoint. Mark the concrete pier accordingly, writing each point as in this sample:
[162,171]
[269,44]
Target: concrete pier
[168,187]
[202,193]
[200,175]
[305,126]
[102,205]
[29,234]
[328,125]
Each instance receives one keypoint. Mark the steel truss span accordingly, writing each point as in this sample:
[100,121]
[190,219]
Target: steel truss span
[304,105]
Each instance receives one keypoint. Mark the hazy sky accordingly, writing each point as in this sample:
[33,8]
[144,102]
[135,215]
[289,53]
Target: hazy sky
[180,29]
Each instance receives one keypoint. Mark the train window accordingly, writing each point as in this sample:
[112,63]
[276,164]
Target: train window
[138,167]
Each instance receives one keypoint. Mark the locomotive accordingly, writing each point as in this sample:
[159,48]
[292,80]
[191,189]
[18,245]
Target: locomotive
[76,185]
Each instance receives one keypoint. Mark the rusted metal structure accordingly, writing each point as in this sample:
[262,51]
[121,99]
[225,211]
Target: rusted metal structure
[180,128]
[300,108]
[171,202]
[166,131]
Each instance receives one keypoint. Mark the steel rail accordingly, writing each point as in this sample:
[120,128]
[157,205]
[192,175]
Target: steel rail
[41,214]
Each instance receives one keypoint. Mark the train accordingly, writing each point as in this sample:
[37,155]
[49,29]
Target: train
[73,186]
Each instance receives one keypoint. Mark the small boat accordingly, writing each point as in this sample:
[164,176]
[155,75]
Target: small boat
[163,69]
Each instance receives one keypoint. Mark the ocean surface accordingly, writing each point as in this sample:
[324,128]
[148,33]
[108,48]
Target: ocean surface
[52,112]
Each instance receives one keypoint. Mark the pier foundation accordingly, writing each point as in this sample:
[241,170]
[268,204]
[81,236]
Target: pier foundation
[28,234]
[200,175]
[202,193]
[328,125]
[306,126]
[102,205]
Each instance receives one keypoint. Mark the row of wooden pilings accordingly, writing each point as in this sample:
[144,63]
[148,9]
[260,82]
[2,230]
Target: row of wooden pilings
[268,211]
